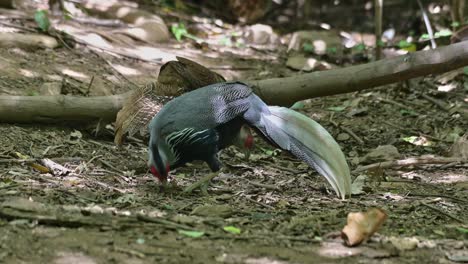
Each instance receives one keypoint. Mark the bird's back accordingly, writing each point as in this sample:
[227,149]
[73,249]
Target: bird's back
[203,108]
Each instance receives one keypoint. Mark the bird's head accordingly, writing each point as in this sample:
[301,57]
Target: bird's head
[245,141]
[158,163]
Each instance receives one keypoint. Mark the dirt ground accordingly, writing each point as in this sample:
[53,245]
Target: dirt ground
[109,209]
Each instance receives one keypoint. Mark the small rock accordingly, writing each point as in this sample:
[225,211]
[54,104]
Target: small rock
[302,63]
[260,34]
[404,243]
[382,153]
[343,137]
[50,88]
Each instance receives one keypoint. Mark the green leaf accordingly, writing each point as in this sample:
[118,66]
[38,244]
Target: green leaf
[331,50]
[307,47]
[179,31]
[463,230]
[443,33]
[298,105]
[465,70]
[232,230]
[455,24]
[404,44]
[42,19]
[360,47]
[193,234]
[336,108]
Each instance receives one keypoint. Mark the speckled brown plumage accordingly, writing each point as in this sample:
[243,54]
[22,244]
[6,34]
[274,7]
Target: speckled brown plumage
[175,78]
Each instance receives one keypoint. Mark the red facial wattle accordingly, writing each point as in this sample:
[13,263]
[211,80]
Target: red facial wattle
[249,142]
[156,173]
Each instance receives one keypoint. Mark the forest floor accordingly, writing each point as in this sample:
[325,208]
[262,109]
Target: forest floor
[109,209]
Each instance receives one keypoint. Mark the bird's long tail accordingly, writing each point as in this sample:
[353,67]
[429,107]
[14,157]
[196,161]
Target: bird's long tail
[309,141]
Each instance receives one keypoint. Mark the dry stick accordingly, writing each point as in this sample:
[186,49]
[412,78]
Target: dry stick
[378,6]
[437,195]
[409,162]
[259,203]
[444,213]
[349,131]
[35,160]
[50,109]
[361,77]
[265,186]
[439,103]
[428,25]
[411,130]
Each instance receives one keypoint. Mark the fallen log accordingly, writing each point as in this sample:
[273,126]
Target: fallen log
[277,91]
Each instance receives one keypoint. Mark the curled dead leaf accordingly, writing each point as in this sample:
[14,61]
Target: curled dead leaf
[361,226]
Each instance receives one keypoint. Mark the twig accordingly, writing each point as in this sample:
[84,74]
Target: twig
[55,168]
[439,103]
[293,171]
[265,186]
[402,106]
[259,203]
[437,195]
[409,162]
[73,159]
[89,85]
[349,131]
[444,213]
[411,130]
[378,28]
[428,25]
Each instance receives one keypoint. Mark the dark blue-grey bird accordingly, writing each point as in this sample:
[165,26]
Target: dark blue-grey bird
[198,124]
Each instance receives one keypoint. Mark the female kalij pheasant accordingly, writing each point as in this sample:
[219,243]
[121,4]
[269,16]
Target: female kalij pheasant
[198,124]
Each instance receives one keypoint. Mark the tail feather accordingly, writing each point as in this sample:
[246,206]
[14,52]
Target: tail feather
[309,141]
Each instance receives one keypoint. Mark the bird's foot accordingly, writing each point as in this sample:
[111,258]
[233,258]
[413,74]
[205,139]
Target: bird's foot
[202,184]
[169,186]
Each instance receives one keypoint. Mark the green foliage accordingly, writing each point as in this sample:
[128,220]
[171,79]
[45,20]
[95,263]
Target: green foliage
[455,24]
[438,34]
[332,50]
[404,44]
[42,19]
[307,47]
[336,108]
[360,47]
[463,230]
[193,234]
[380,43]
[179,31]
[232,230]
[32,93]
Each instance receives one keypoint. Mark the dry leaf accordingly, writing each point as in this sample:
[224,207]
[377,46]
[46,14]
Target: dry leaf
[362,225]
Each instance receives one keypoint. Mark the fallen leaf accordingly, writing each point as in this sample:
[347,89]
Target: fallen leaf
[361,226]
[232,229]
[358,185]
[193,234]
[404,243]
